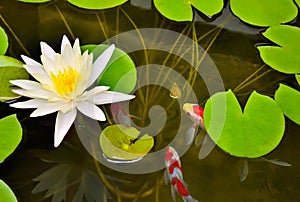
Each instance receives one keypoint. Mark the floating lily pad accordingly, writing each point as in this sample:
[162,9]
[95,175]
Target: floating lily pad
[10,69]
[252,133]
[116,143]
[120,73]
[264,12]
[289,99]
[97,4]
[6,194]
[34,1]
[298,78]
[285,56]
[181,10]
[10,135]
[3,42]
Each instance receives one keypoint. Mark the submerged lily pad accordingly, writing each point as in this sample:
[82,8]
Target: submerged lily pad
[97,4]
[252,133]
[116,142]
[289,99]
[120,73]
[285,56]
[3,42]
[10,69]
[6,194]
[264,12]
[181,10]
[10,135]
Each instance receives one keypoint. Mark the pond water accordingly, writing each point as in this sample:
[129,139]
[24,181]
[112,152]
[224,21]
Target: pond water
[168,52]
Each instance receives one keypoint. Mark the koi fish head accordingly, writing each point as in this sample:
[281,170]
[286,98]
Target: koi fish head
[195,113]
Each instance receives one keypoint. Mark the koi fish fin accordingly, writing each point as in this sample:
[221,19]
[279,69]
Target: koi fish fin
[277,162]
[199,138]
[189,198]
[243,169]
[207,146]
[190,135]
[166,177]
[173,194]
[178,173]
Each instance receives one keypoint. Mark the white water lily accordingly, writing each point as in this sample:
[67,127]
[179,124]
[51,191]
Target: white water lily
[62,83]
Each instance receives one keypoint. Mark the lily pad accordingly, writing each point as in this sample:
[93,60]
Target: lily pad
[3,42]
[120,73]
[10,135]
[181,10]
[34,1]
[285,56]
[6,194]
[97,4]
[252,133]
[298,78]
[117,143]
[10,69]
[289,99]
[264,12]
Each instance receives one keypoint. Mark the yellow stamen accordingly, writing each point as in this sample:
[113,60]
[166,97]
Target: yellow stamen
[64,82]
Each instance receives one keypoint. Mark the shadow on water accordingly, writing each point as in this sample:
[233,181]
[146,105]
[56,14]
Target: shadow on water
[39,172]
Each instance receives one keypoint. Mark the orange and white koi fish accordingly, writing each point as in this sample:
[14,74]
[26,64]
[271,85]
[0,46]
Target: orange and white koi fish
[195,113]
[174,173]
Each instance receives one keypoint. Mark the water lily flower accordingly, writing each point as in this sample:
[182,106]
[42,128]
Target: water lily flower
[64,84]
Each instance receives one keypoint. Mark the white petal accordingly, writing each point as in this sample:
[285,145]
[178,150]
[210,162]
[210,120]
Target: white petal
[64,43]
[47,108]
[100,64]
[110,97]
[26,84]
[89,94]
[33,103]
[37,93]
[91,110]
[31,62]
[47,51]
[76,47]
[63,123]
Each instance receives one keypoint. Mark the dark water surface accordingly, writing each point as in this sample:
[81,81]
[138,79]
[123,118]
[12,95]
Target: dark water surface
[69,170]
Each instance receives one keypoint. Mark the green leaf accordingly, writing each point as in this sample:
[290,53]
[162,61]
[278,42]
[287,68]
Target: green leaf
[6,194]
[3,42]
[285,56]
[10,69]
[115,141]
[120,73]
[289,99]
[181,10]
[97,4]
[251,134]
[10,135]
[34,1]
[264,12]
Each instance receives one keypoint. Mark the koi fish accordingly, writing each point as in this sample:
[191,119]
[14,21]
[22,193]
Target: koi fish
[195,113]
[174,173]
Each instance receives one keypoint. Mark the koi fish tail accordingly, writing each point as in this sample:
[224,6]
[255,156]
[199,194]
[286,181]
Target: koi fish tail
[189,198]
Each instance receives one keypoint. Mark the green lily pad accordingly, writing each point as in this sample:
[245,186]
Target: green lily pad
[34,1]
[97,4]
[181,10]
[116,143]
[10,69]
[120,73]
[252,133]
[6,194]
[3,42]
[264,12]
[285,56]
[10,135]
[289,99]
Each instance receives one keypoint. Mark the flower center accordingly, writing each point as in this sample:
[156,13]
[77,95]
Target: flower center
[64,82]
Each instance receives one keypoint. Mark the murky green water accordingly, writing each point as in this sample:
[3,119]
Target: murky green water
[230,47]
